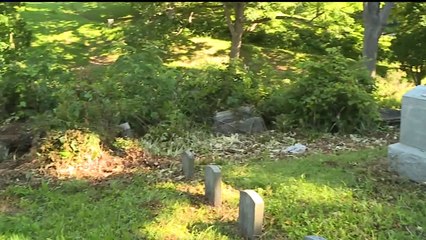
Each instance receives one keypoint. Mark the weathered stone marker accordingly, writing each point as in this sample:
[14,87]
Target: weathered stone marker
[408,157]
[188,162]
[314,238]
[250,217]
[213,185]
[4,151]
[110,22]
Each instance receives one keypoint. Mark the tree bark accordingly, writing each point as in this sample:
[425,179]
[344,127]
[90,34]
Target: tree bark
[236,28]
[374,22]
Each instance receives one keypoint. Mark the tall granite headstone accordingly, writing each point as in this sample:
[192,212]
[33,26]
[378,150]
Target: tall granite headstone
[408,157]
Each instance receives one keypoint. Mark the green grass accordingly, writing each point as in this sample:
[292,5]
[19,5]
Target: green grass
[74,33]
[349,196]
[346,196]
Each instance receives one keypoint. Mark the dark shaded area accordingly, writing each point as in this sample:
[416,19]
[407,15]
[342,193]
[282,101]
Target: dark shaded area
[390,116]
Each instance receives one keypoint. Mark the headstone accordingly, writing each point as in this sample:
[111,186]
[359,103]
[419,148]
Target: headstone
[110,22]
[4,151]
[188,164]
[408,157]
[126,130]
[213,185]
[314,238]
[250,217]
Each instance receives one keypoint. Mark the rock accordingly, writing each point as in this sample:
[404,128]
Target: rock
[313,238]
[16,137]
[242,120]
[296,149]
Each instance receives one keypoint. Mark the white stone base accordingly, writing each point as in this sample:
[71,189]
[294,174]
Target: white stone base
[408,161]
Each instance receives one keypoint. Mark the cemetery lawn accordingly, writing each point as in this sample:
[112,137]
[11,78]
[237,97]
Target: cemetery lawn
[350,195]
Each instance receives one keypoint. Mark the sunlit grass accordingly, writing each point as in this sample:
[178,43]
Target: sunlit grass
[345,196]
[78,31]
[338,197]
[203,51]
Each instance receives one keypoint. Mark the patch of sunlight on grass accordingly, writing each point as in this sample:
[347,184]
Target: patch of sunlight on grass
[391,88]
[301,190]
[28,8]
[204,51]
[271,173]
[14,237]
[67,37]
[335,196]
[192,218]
[90,30]
[68,56]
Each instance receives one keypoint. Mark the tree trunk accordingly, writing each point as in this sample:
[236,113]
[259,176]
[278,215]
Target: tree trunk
[236,28]
[374,22]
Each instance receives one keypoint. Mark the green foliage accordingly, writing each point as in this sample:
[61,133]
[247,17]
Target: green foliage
[330,91]
[391,88]
[71,147]
[15,38]
[331,196]
[29,86]
[215,89]
[14,35]
[311,28]
[321,194]
[409,46]
[137,89]
[161,23]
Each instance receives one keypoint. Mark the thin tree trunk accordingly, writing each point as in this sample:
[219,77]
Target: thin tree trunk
[236,28]
[374,22]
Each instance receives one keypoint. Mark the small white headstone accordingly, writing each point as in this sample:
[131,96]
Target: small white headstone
[110,22]
[188,164]
[250,217]
[213,182]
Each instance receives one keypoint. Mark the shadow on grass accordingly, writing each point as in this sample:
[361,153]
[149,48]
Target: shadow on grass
[72,32]
[315,195]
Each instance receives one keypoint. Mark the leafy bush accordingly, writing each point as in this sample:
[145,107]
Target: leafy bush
[137,89]
[391,88]
[71,147]
[215,89]
[13,44]
[28,87]
[332,94]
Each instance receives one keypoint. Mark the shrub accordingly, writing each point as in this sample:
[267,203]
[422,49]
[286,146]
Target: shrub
[71,147]
[332,94]
[28,87]
[216,89]
[391,88]
[137,89]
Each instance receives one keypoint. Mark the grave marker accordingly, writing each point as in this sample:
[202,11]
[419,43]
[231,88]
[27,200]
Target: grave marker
[314,238]
[250,217]
[213,182]
[408,157]
[188,162]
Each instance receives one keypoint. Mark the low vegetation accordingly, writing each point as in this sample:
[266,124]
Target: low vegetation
[69,79]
